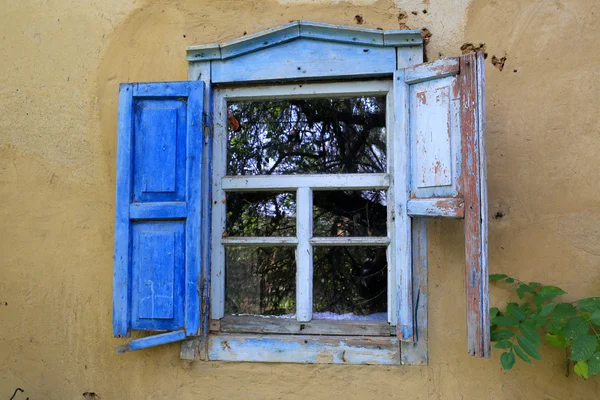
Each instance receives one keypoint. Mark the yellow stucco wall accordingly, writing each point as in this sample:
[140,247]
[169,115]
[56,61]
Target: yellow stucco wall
[61,62]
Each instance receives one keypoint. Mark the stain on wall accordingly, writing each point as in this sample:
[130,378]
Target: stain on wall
[62,62]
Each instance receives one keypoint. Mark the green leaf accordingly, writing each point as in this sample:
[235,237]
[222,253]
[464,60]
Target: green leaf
[500,335]
[509,280]
[564,310]
[556,340]
[550,292]
[589,305]
[594,364]
[505,320]
[493,312]
[530,334]
[583,347]
[576,327]
[497,277]
[535,284]
[523,289]
[522,354]
[595,318]
[507,360]
[528,347]
[581,368]
[514,310]
[504,344]
[548,308]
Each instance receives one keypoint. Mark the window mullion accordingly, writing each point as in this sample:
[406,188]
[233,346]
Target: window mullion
[304,255]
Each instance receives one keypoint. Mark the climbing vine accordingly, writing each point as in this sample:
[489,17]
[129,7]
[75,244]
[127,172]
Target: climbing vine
[519,328]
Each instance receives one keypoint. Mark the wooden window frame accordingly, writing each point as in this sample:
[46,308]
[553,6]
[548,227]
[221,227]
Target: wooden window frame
[223,68]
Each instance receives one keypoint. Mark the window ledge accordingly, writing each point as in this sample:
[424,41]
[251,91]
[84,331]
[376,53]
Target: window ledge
[304,349]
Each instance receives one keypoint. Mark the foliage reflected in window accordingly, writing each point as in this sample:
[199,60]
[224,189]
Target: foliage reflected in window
[307,136]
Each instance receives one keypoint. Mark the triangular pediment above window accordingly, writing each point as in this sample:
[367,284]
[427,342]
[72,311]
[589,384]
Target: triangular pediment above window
[306,50]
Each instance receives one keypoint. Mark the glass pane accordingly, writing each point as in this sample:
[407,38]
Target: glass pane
[261,214]
[350,283]
[350,213]
[309,136]
[260,281]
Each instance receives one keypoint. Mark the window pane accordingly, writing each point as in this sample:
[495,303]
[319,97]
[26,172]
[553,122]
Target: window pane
[350,283]
[308,136]
[261,214]
[260,281]
[350,213]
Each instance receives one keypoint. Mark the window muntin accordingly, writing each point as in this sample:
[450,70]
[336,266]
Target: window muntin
[313,247]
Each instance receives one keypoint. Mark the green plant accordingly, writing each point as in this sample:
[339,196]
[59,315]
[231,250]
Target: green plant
[574,326]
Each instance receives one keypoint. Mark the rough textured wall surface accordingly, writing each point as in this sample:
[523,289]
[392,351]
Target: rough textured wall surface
[62,62]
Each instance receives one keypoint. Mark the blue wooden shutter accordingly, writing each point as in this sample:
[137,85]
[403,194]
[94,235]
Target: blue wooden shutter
[158,223]
[446,135]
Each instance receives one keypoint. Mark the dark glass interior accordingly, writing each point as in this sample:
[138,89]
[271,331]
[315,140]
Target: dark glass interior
[307,136]
[261,214]
[350,283]
[349,213]
[260,281]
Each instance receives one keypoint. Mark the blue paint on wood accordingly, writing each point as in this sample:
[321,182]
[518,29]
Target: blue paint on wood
[162,89]
[306,59]
[195,199]
[312,30]
[151,341]
[157,225]
[158,271]
[167,210]
[121,283]
[159,150]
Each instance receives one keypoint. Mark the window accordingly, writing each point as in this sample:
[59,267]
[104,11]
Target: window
[272,208]
[300,188]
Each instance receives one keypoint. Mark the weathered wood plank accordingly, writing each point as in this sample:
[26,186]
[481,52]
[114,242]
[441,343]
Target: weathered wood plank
[200,71]
[435,138]
[409,56]
[121,281]
[306,90]
[195,226]
[273,325]
[171,210]
[203,53]
[350,241]
[306,59]
[437,207]
[219,169]
[161,89]
[401,38]
[261,40]
[304,254]
[483,200]
[248,183]
[433,70]
[342,34]
[416,353]
[472,95]
[151,341]
[259,241]
[400,254]
[304,349]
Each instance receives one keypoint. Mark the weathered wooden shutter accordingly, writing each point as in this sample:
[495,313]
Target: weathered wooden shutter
[158,223]
[447,169]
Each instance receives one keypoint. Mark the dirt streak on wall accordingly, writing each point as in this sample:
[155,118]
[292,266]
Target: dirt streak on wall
[62,62]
